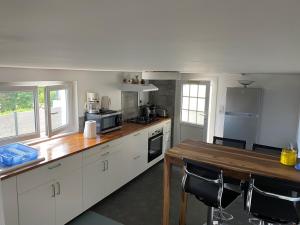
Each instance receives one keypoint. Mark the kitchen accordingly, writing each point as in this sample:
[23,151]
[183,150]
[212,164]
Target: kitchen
[104,117]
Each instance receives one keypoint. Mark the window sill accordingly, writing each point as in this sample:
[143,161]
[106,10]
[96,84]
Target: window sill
[44,139]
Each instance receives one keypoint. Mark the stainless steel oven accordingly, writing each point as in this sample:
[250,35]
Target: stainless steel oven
[106,121]
[155,144]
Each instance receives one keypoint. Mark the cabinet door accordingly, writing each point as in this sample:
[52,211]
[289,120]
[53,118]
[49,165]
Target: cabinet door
[10,201]
[138,148]
[117,169]
[37,206]
[68,196]
[94,182]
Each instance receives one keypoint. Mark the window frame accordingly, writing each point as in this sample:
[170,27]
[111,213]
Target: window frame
[7,87]
[206,109]
[72,125]
[49,131]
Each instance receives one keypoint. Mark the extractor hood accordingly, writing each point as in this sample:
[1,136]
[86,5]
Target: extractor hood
[138,87]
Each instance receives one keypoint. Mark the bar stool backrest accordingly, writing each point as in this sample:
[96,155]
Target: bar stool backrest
[274,200]
[203,181]
[229,142]
[266,149]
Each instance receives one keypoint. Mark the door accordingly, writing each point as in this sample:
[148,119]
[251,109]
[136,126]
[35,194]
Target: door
[138,153]
[195,98]
[37,205]
[68,196]
[94,182]
[117,168]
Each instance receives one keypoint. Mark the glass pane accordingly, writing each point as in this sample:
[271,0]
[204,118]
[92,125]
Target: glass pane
[201,105]
[186,90]
[194,90]
[200,118]
[16,113]
[185,103]
[193,104]
[184,115]
[192,116]
[58,102]
[202,91]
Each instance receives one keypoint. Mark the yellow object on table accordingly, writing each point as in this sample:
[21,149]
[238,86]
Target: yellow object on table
[288,157]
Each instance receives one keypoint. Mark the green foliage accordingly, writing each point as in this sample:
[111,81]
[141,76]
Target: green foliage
[16,102]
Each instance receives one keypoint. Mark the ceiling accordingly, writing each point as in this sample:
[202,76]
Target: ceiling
[228,36]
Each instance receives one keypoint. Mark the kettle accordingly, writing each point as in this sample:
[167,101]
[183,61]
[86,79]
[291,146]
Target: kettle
[105,102]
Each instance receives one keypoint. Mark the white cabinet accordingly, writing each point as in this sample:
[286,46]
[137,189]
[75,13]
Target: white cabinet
[167,136]
[57,192]
[105,170]
[37,205]
[10,201]
[68,196]
[137,145]
[56,198]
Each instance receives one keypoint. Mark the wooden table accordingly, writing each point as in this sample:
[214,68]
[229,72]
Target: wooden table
[237,163]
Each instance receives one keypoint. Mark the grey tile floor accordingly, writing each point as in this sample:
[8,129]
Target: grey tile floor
[140,202]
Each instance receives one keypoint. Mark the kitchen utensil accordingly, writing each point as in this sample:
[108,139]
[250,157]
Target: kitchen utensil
[161,112]
[105,102]
[90,129]
[92,102]
[288,157]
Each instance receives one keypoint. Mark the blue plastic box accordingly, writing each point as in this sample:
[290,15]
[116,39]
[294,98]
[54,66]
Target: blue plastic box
[15,154]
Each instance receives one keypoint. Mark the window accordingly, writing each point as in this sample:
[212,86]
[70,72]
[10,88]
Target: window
[193,103]
[18,113]
[28,112]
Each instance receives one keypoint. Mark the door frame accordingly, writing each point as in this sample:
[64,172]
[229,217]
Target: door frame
[208,84]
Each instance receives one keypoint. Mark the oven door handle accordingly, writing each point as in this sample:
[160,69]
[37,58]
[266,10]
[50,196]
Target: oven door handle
[155,137]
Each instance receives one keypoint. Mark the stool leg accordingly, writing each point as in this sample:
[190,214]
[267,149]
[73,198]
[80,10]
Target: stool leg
[210,215]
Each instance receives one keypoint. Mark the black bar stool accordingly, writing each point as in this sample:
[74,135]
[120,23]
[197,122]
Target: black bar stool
[266,149]
[273,200]
[206,183]
[229,142]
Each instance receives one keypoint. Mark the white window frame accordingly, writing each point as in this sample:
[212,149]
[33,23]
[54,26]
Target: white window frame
[206,110]
[49,131]
[72,114]
[34,89]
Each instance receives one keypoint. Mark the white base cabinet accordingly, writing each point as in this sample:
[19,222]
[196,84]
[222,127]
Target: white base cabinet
[37,205]
[55,201]
[56,193]
[10,201]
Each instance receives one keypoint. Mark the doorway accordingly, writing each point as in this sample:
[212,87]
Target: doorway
[194,108]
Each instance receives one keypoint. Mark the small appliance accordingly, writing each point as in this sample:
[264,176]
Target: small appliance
[105,103]
[92,102]
[106,120]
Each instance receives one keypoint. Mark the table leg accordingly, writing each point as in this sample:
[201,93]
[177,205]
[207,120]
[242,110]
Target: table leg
[166,191]
[183,205]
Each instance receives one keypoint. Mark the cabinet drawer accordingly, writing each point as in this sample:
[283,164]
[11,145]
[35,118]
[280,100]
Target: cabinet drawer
[44,174]
[101,151]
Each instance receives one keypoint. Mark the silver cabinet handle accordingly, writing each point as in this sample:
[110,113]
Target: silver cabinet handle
[106,146]
[55,166]
[104,166]
[105,154]
[58,188]
[137,157]
[137,134]
[53,190]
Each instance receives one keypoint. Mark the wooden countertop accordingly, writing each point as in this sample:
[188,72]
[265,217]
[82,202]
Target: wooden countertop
[234,160]
[63,147]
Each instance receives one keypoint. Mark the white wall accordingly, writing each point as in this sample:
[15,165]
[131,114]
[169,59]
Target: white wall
[280,109]
[104,83]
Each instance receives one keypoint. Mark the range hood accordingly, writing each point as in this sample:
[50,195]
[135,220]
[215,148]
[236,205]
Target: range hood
[138,87]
